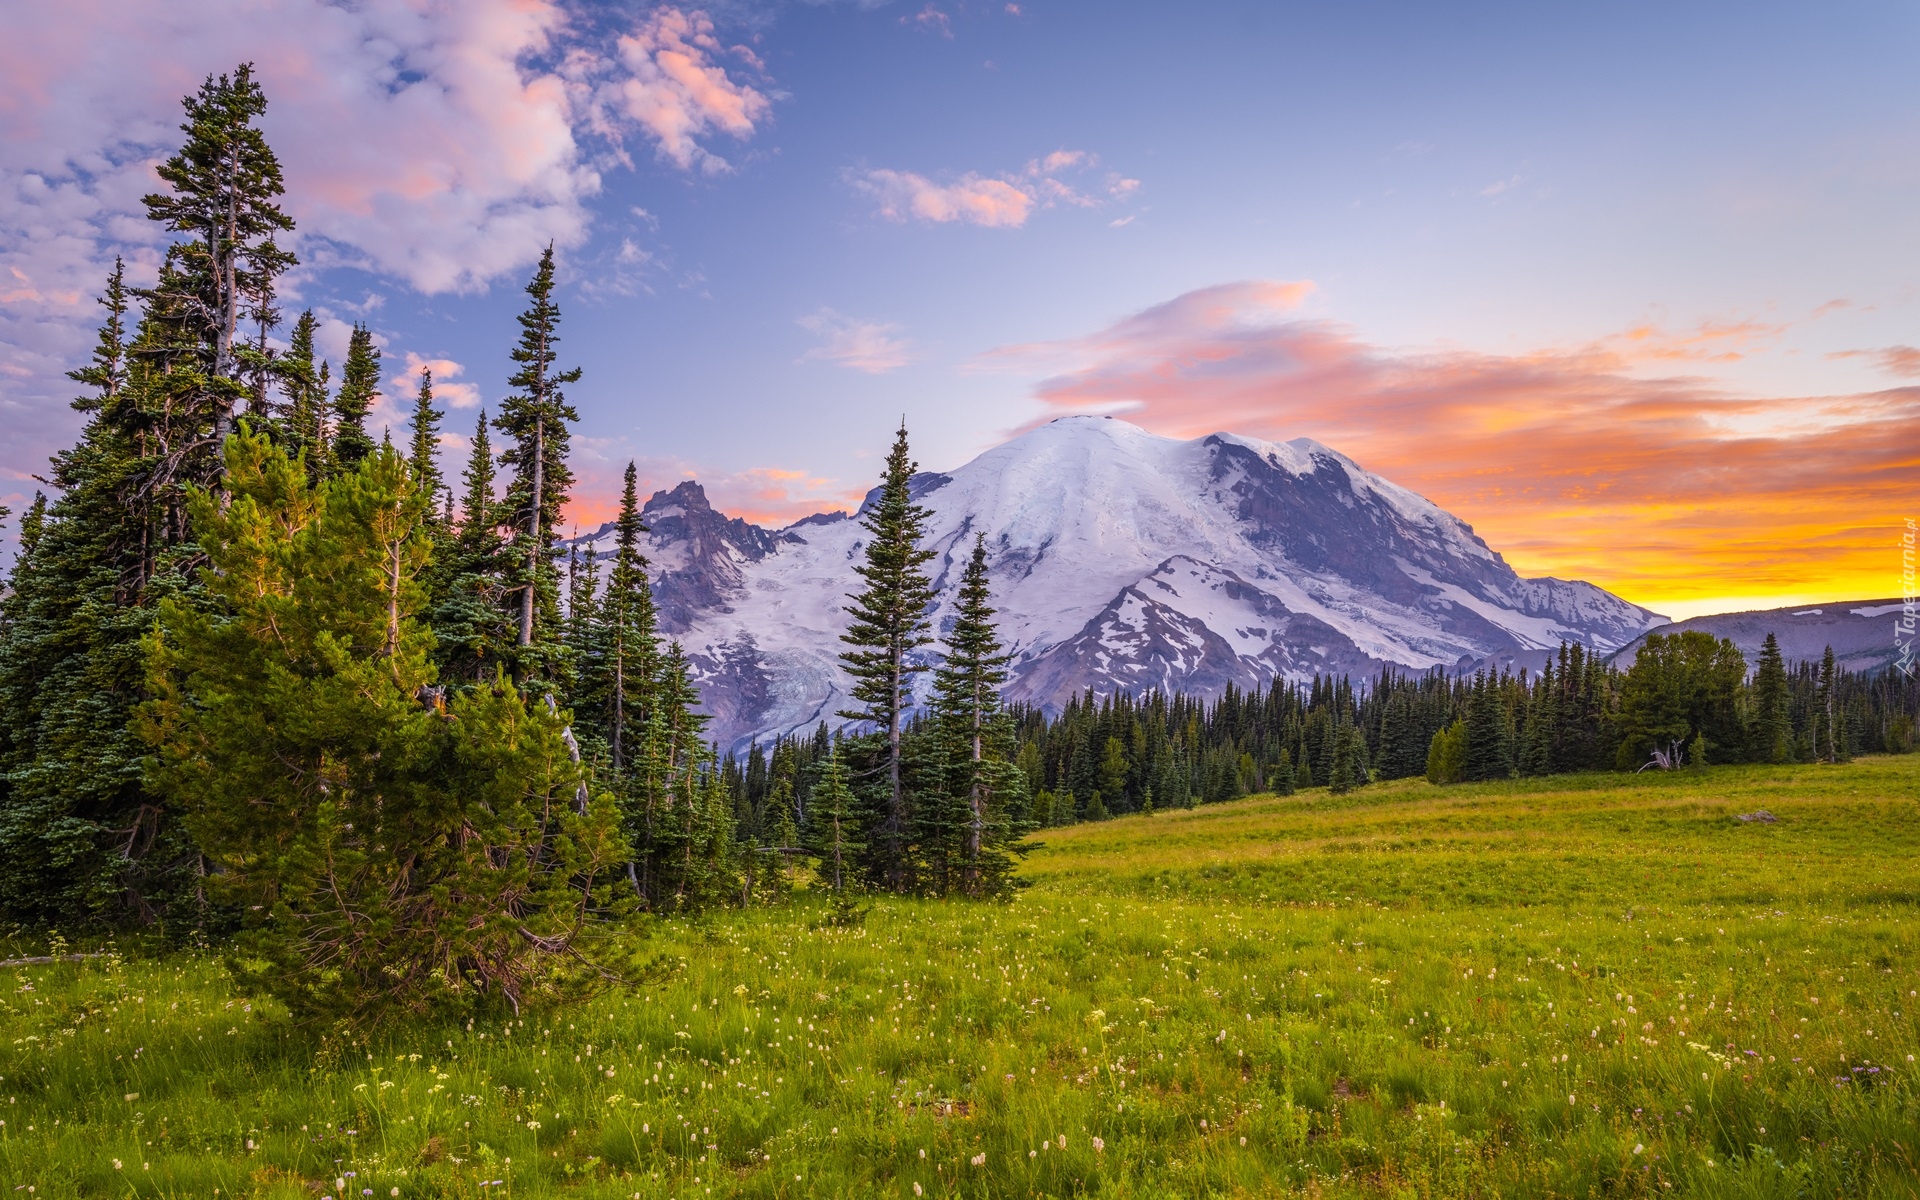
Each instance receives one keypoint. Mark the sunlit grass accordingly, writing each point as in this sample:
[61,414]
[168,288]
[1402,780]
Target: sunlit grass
[1576,987]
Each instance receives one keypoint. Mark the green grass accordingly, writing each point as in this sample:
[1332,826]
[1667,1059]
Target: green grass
[1591,986]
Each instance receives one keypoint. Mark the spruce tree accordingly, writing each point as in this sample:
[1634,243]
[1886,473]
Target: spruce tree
[889,621]
[394,854]
[1489,741]
[536,418]
[359,388]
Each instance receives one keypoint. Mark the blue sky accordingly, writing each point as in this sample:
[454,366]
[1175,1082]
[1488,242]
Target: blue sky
[853,216]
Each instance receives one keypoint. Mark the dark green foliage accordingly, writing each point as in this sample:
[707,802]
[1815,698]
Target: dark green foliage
[617,676]
[1489,731]
[888,623]
[473,631]
[83,840]
[302,384]
[975,794]
[397,854]
[1772,721]
[423,447]
[536,419]
[359,388]
[1679,685]
[224,183]
[1447,754]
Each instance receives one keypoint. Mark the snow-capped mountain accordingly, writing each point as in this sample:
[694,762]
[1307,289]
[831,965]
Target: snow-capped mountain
[1122,559]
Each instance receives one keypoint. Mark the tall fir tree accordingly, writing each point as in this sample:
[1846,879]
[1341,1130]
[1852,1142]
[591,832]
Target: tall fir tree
[225,183]
[1772,739]
[423,447]
[305,399]
[616,684]
[359,388]
[889,622]
[979,742]
[1489,739]
[537,419]
[472,630]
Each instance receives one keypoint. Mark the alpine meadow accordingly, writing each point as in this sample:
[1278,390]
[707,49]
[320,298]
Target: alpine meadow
[1113,814]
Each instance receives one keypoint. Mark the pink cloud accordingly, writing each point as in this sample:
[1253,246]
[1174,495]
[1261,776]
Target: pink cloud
[869,346]
[676,90]
[1562,458]
[999,202]
[994,203]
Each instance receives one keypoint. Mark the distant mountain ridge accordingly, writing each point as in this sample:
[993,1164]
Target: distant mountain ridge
[1122,559]
[1861,632]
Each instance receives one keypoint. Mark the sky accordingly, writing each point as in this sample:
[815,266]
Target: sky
[1632,288]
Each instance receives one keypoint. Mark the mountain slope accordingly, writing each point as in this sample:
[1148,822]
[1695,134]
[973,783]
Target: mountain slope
[1861,632]
[1122,559]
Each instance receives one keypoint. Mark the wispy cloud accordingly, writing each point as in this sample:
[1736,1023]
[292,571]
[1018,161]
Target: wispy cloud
[1568,459]
[870,346]
[1902,362]
[1062,178]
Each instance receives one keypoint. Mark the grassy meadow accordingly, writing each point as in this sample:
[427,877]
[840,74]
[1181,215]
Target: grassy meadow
[1581,986]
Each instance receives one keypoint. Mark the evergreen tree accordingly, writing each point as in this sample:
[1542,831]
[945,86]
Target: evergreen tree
[888,623]
[359,388]
[84,838]
[422,455]
[1772,740]
[393,857]
[536,417]
[978,739]
[225,182]
[1489,743]
[1447,754]
[616,683]
[471,629]
[832,830]
[1829,730]
[306,397]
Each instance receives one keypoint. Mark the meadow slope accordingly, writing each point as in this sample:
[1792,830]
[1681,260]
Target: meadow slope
[1581,986]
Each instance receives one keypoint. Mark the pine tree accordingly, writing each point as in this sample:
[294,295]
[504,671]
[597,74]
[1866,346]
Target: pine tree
[359,388]
[224,182]
[395,855]
[536,417]
[888,623]
[1772,740]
